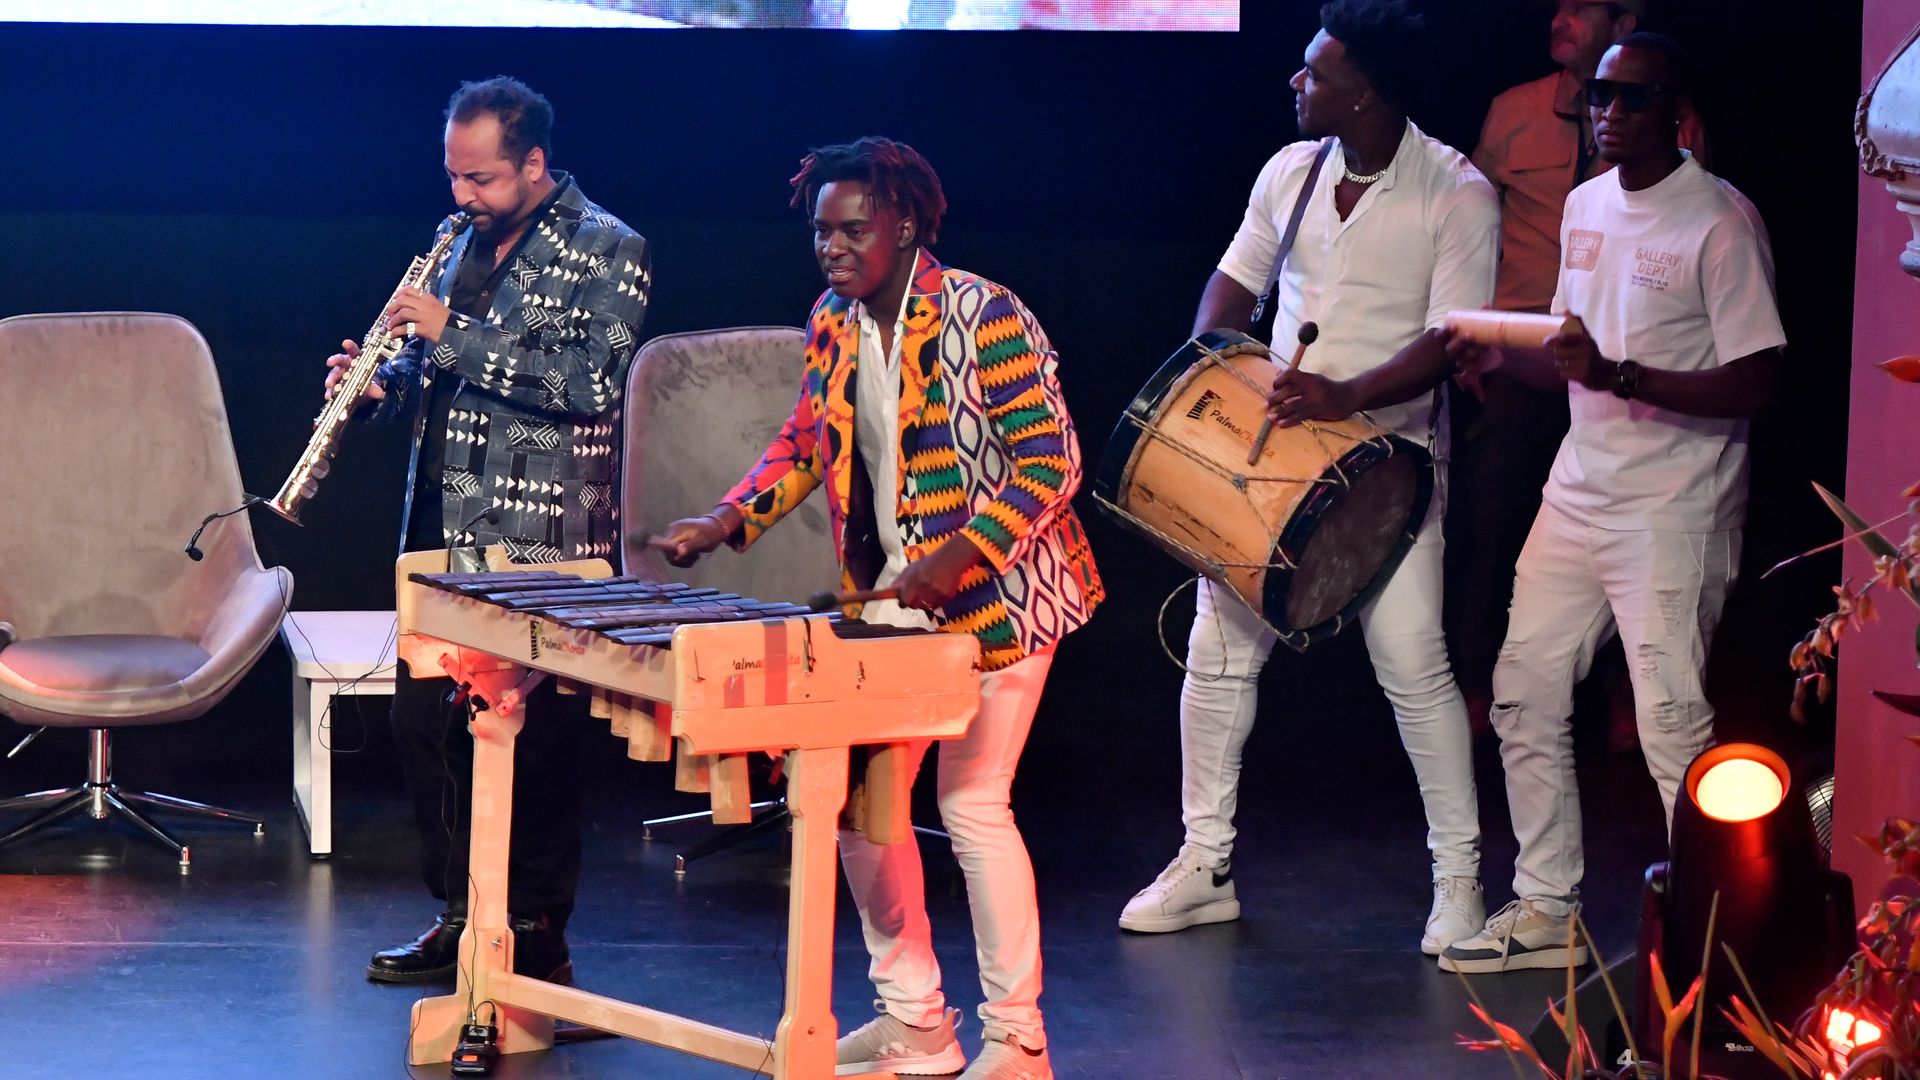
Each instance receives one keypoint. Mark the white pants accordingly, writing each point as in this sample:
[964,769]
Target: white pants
[1573,586]
[976,774]
[1409,652]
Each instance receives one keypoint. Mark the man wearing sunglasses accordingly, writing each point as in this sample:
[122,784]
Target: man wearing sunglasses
[1536,147]
[1639,528]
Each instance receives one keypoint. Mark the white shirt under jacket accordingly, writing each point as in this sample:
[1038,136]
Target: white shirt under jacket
[1422,241]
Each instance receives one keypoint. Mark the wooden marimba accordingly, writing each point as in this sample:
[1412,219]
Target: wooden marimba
[716,676]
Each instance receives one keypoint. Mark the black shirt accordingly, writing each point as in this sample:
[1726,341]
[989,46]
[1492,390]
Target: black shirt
[475,281]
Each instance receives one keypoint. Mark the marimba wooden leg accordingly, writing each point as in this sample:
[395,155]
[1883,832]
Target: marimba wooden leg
[816,791]
[486,948]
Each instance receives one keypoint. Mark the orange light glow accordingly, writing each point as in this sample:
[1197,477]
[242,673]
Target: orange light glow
[1739,789]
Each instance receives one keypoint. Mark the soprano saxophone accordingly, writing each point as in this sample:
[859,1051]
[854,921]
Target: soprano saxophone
[379,346]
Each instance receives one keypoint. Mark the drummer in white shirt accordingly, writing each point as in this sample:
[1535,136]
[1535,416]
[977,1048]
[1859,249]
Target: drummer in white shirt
[1639,527]
[1397,230]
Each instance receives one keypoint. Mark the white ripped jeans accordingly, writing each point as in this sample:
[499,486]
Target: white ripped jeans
[1574,586]
[975,776]
[1409,653]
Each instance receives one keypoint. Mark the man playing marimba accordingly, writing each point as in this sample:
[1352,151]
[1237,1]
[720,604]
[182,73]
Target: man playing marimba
[977,536]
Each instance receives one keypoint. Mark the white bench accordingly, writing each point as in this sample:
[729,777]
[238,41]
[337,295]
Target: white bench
[335,653]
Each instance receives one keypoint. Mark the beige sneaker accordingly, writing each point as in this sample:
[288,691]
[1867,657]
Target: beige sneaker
[1187,893]
[887,1044]
[1004,1059]
[1518,936]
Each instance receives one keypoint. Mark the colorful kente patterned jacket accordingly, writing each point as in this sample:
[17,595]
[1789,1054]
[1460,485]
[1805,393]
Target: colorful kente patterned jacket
[986,450]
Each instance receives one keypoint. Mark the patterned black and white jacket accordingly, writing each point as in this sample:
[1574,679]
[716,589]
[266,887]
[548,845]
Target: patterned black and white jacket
[535,426]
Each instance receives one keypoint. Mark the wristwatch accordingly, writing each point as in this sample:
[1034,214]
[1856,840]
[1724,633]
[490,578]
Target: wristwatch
[1626,381]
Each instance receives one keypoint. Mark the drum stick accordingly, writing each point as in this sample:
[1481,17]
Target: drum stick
[828,601]
[1512,329]
[1308,333]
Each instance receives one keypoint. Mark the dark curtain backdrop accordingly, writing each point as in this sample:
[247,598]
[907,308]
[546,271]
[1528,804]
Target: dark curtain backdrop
[270,185]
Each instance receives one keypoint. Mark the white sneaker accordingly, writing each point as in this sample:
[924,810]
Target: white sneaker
[1459,912]
[1518,936]
[1005,1059]
[887,1044]
[1187,893]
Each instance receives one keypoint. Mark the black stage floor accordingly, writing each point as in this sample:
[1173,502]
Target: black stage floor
[114,964]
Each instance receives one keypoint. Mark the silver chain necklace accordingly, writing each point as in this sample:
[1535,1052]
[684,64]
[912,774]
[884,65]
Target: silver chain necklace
[1370,178]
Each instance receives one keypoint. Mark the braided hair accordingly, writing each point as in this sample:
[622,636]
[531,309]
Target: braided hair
[895,174]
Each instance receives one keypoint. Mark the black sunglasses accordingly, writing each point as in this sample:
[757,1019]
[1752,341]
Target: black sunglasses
[1634,97]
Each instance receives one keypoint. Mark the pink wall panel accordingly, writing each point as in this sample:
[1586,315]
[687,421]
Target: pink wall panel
[1877,770]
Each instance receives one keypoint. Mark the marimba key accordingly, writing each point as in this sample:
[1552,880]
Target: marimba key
[649,731]
[692,772]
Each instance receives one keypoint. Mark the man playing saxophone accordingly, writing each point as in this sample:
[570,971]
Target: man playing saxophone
[511,376]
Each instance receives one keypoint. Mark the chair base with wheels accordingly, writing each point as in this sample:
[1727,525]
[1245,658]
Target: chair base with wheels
[725,838]
[778,818]
[99,798]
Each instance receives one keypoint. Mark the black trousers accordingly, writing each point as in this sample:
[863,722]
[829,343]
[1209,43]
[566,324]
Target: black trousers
[549,759]
[436,759]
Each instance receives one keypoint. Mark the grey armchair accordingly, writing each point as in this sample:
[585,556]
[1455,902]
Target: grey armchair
[115,443]
[700,408]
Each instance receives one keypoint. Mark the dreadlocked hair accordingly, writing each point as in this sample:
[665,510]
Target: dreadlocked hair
[895,174]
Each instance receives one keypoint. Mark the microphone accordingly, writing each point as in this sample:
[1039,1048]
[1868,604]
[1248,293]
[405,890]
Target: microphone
[467,559]
[490,515]
[1309,333]
[193,542]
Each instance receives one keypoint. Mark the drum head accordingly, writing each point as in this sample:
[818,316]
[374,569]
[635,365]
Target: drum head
[1347,539]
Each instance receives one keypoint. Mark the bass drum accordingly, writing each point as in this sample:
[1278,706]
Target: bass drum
[1306,532]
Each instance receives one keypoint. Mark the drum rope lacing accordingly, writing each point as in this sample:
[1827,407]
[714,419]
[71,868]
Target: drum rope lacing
[1240,480]
[1216,568]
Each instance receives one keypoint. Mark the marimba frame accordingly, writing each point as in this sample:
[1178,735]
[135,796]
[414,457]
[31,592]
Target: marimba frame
[523,1008]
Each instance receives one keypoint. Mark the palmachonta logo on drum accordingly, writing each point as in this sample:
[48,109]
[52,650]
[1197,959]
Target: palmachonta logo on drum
[1206,408]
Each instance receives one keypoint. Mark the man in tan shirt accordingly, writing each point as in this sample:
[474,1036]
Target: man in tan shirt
[1536,147]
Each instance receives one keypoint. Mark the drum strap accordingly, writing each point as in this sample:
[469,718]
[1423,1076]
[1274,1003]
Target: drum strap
[1293,225]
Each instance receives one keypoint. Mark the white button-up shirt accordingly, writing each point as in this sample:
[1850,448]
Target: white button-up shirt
[876,434]
[1422,241]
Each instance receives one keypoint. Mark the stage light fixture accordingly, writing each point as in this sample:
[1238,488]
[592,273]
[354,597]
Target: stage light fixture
[1789,919]
[1739,789]
[1845,1031]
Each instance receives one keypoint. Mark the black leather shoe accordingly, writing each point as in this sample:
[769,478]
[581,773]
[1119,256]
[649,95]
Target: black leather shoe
[540,950]
[431,957]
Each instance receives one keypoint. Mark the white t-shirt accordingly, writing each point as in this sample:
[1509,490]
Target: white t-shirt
[1677,277]
[1422,241]
[876,434]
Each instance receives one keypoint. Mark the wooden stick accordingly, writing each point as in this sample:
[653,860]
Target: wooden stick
[1309,332]
[827,601]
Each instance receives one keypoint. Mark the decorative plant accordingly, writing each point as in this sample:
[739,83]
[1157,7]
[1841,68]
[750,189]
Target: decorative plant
[1895,567]
[1871,1005]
